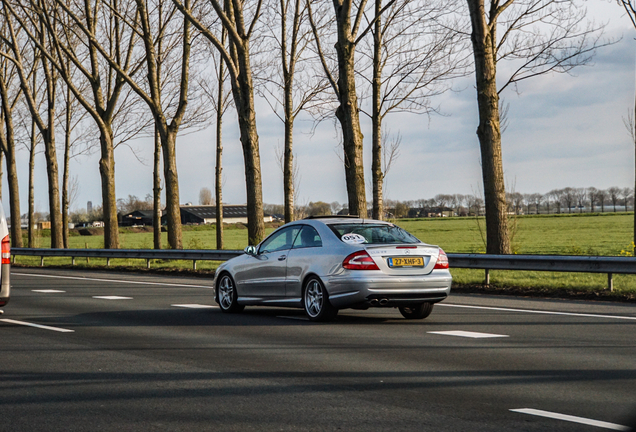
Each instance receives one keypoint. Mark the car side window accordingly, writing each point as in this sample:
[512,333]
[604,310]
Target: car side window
[308,237]
[282,240]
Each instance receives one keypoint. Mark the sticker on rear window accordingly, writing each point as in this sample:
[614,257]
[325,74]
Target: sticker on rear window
[353,239]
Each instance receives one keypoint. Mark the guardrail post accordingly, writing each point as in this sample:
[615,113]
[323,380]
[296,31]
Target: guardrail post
[148,263]
[487,277]
[41,261]
[72,260]
[194,264]
[107,262]
[610,282]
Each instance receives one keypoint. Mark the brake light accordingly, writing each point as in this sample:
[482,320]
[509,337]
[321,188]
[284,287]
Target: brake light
[6,250]
[442,261]
[360,260]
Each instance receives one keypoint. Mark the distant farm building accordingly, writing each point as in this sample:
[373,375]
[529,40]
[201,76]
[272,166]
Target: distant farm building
[137,218]
[207,214]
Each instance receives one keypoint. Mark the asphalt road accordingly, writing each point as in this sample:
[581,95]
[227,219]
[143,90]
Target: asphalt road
[126,352]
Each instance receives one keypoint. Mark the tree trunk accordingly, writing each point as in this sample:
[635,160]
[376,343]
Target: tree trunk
[14,198]
[289,67]
[109,197]
[65,169]
[488,132]
[348,115]
[12,172]
[243,91]
[30,230]
[53,188]
[218,171]
[376,118]
[288,161]
[156,193]
[173,210]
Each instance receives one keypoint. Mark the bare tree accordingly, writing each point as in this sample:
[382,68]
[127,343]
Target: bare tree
[8,144]
[628,193]
[165,90]
[581,198]
[221,102]
[73,119]
[46,124]
[291,86]
[537,199]
[592,197]
[614,194]
[630,122]
[347,17]
[237,59]
[538,37]
[69,56]
[205,196]
[413,55]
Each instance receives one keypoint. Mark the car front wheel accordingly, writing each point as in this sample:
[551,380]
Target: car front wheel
[226,295]
[316,301]
[418,311]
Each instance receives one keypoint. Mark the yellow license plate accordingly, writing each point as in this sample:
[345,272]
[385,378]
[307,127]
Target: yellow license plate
[406,262]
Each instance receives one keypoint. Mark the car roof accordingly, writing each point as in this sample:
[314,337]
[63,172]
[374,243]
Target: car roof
[337,219]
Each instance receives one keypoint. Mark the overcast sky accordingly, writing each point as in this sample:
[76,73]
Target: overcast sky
[563,131]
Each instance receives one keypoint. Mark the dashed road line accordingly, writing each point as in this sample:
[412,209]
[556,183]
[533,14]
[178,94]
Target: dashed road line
[537,311]
[468,334]
[112,298]
[195,306]
[570,418]
[48,291]
[28,324]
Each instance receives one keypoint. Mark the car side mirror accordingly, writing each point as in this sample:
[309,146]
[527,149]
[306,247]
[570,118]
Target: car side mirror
[250,250]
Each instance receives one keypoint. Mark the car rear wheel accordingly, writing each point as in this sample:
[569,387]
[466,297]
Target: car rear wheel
[316,301]
[418,311]
[226,295]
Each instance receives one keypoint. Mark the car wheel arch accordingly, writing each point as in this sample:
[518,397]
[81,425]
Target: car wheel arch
[309,276]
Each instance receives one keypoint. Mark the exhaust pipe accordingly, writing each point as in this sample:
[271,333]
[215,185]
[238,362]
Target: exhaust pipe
[374,302]
[384,302]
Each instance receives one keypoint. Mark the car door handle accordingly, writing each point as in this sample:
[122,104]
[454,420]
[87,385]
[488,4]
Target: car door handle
[282,258]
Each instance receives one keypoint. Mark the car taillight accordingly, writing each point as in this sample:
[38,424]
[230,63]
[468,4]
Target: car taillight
[6,250]
[442,261]
[360,260]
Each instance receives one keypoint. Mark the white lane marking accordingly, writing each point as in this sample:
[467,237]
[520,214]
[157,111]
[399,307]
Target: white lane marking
[570,418]
[537,311]
[57,329]
[48,291]
[474,335]
[113,280]
[294,318]
[195,306]
[112,298]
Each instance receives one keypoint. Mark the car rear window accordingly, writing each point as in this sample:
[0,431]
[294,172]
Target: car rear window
[372,234]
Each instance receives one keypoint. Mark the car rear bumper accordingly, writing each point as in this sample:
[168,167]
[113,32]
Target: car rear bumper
[372,289]
[5,286]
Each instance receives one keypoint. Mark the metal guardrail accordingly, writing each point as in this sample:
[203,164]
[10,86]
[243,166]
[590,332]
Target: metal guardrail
[145,254]
[555,263]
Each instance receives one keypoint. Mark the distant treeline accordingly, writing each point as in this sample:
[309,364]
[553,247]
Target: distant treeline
[566,200]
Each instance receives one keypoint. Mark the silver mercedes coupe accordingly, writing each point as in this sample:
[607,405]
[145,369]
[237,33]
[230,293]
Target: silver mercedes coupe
[327,263]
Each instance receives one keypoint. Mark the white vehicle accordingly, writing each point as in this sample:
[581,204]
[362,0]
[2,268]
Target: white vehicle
[5,268]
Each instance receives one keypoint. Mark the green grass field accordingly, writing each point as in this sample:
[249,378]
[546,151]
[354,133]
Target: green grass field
[596,234]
